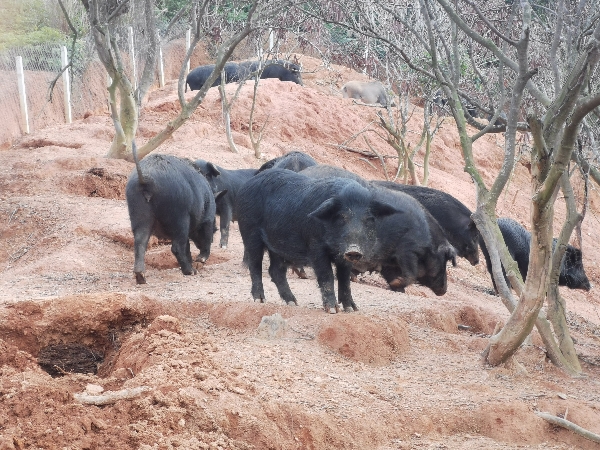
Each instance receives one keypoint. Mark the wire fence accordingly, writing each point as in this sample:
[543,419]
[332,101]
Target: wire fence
[88,80]
[88,77]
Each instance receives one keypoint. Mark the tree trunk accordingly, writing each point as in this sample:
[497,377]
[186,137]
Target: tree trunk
[125,120]
[522,319]
[556,315]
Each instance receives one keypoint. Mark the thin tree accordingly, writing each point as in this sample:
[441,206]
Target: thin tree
[235,20]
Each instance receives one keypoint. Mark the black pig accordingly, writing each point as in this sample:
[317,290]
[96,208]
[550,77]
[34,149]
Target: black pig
[518,239]
[280,69]
[452,215]
[302,221]
[295,161]
[168,197]
[234,72]
[412,248]
[198,76]
[231,181]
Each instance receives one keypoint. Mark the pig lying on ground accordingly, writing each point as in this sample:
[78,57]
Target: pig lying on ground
[368,92]
[235,72]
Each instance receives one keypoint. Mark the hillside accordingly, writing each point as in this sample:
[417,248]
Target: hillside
[397,374]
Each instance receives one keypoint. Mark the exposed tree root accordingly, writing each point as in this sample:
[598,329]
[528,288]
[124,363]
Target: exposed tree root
[569,426]
[110,397]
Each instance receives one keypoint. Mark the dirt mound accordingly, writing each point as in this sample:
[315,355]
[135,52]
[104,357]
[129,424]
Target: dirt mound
[98,182]
[32,143]
[364,339]
[476,319]
[242,316]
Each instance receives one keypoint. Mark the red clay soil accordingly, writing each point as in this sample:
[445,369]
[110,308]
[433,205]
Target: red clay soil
[397,374]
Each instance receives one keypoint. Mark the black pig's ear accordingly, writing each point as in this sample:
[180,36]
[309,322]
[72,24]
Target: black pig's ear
[212,170]
[220,194]
[381,209]
[450,254]
[327,210]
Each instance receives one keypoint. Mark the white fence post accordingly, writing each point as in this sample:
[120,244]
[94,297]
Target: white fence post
[188,43]
[161,67]
[22,95]
[64,60]
[366,57]
[132,53]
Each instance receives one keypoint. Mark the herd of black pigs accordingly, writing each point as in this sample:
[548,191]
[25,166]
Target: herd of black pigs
[305,214]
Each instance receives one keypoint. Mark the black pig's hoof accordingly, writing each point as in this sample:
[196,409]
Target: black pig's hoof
[349,309]
[140,278]
[331,309]
[397,285]
[292,303]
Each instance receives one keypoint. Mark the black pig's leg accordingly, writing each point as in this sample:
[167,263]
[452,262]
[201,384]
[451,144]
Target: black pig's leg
[224,222]
[344,272]
[202,238]
[322,267]
[277,270]
[253,258]
[180,244]
[141,237]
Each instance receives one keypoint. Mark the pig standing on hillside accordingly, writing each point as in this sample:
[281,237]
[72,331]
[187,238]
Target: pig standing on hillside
[168,197]
[518,239]
[411,248]
[452,215]
[302,221]
[230,181]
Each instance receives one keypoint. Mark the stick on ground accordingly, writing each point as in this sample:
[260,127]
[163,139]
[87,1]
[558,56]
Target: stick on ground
[569,426]
[111,396]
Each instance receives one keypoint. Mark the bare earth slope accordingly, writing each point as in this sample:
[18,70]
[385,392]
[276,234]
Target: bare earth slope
[398,374]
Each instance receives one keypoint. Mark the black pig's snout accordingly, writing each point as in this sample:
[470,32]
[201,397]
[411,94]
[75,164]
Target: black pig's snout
[353,254]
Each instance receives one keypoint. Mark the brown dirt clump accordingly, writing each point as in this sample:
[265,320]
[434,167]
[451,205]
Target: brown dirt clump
[365,340]
[404,372]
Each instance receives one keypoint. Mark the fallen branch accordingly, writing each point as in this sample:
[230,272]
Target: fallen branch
[110,397]
[360,152]
[370,105]
[379,156]
[569,426]
[368,162]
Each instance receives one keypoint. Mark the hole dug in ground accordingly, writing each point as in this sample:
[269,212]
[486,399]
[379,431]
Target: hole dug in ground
[77,334]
